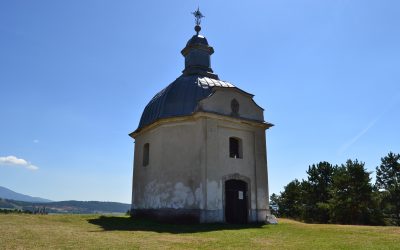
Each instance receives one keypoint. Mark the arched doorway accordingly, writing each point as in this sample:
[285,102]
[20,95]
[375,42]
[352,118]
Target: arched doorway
[236,201]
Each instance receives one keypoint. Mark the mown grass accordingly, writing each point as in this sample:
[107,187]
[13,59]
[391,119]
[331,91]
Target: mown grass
[20,231]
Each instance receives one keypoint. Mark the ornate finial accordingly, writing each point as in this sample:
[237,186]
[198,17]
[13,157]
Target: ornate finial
[198,16]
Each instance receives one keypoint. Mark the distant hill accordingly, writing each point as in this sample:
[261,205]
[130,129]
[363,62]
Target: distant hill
[13,200]
[74,207]
[6,193]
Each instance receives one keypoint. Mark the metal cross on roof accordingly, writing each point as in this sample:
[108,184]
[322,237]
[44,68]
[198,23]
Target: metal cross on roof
[197,14]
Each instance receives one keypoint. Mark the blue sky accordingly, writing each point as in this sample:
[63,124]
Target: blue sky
[76,75]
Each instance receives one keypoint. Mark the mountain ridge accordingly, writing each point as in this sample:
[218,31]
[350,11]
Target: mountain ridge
[10,200]
[6,193]
[67,207]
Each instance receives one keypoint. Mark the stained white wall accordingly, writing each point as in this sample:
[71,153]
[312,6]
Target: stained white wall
[171,180]
[220,102]
[189,160]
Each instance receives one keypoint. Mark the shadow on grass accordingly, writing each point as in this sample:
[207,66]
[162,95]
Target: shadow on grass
[115,223]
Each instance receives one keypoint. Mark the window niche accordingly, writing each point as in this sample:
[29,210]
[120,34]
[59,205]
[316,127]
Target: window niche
[234,108]
[146,154]
[235,147]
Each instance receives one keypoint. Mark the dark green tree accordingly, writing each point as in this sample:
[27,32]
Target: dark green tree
[352,199]
[316,192]
[273,204]
[388,181]
[290,202]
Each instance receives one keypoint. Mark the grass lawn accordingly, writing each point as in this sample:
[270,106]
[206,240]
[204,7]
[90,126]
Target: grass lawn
[113,232]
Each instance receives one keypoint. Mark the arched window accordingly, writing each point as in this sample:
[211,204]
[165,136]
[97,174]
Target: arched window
[235,147]
[146,154]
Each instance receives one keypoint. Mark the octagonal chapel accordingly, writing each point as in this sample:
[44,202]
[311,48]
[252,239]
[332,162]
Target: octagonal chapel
[200,148]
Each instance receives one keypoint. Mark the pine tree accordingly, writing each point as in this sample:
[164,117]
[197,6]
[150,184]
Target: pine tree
[316,192]
[290,202]
[352,197]
[388,180]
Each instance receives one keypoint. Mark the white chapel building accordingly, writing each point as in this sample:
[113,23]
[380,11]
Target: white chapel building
[200,148]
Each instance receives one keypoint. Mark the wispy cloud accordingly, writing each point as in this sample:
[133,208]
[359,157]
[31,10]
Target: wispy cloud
[36,141]
[358,136]
[16,162]
[348,144]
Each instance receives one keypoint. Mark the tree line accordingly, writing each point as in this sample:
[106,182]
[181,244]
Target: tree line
[344,194]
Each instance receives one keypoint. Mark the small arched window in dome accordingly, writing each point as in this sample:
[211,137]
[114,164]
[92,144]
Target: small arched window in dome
[235,107]
[235,147]
[146,154]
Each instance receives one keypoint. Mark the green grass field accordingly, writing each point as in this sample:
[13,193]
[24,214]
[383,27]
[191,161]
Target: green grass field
[20,231]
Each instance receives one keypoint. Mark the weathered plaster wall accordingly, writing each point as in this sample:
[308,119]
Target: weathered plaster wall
[189,160]
[251,168]
[220,102]
[171,180]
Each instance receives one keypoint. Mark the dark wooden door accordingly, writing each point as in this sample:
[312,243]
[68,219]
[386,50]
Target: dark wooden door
[236,201]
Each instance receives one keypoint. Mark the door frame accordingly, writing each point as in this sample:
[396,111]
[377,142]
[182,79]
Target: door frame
[237,176]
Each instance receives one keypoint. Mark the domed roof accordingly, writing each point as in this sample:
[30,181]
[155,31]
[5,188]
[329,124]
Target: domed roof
[197,39]
[180,98]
